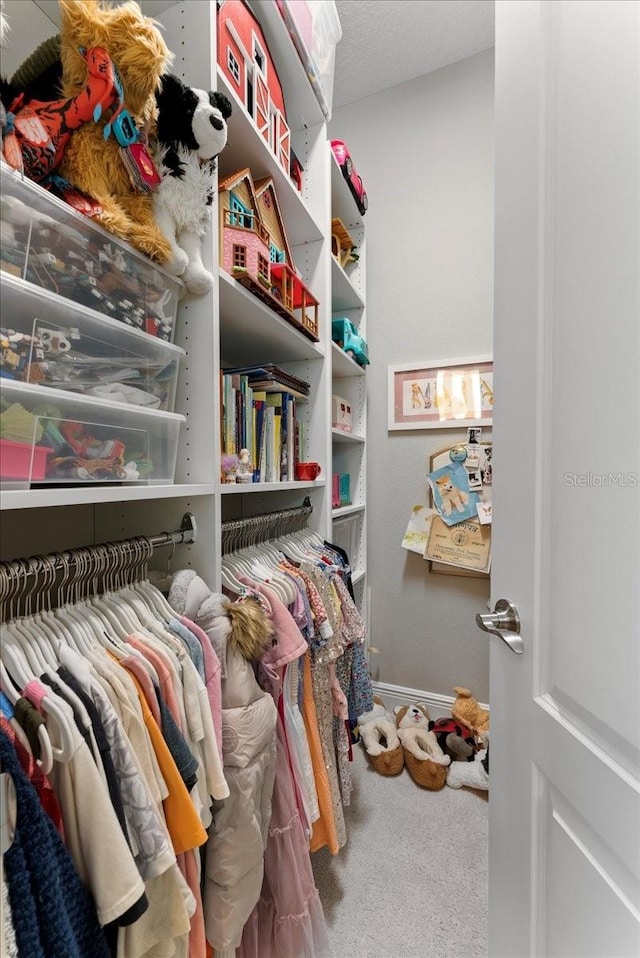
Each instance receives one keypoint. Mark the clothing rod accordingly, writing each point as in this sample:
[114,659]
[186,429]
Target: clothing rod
[68,559]
[239,533]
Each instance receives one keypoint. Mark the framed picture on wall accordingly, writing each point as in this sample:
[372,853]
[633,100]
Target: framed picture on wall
[451,393]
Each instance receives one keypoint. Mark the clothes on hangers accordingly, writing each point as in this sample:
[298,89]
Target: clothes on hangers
[52,912]
[288,918]
[131,806]
[234,863]
[200,750]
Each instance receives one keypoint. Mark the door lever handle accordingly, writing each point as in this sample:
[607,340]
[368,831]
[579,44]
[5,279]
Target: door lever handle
[504,622]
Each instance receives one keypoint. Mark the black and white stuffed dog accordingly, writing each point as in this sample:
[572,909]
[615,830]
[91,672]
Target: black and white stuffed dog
[191,132]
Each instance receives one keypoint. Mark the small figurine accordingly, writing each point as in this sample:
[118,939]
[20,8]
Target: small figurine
[244,472]
[229,466]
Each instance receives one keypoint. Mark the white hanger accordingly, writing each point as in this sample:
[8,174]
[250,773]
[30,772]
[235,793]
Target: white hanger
[152,594]
[61,714]
[15,657]
[228,578]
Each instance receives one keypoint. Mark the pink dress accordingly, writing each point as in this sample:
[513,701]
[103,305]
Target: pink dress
[288,921]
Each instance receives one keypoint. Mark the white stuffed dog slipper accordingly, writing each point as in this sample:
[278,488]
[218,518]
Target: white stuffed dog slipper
[380,739]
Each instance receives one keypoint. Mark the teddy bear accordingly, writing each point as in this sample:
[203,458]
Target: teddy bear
[191,131]
[471,774]
[93,162]
[425,760]
[380,739]
[467,711]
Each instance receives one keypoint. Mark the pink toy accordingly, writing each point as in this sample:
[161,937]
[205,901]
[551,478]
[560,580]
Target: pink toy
[354,182]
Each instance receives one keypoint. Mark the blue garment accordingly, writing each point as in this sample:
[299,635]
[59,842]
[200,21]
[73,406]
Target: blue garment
[191,643]
[53,914]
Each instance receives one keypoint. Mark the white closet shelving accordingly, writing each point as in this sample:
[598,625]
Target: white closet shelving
[229,326]
[349,454]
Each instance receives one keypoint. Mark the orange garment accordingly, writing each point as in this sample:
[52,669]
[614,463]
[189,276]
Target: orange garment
[183,822]
[324,829]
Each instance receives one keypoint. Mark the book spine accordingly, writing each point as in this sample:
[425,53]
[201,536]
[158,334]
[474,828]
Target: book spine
[291,438]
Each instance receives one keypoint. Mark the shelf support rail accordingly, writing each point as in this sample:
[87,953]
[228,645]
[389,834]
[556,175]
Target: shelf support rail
[28,585]
[241,533]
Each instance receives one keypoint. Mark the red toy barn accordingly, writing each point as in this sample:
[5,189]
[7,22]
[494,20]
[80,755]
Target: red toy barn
[244,58]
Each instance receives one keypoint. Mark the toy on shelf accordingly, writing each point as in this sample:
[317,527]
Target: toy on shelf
[341,414]
[82,264]
[342,246]
[244,58]
[191,132]
[345,335]
[425,760]
[354,181]
[295,172]
[38,132]
[257,259]
[109,162]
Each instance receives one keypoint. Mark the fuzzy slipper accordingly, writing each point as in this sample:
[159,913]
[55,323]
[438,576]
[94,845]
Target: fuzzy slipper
[380,739]
[426,762]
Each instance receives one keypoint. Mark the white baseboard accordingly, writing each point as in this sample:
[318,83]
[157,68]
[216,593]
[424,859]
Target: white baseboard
[439,706]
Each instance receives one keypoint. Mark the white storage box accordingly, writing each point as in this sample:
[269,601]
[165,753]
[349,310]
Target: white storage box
[48,243]
[345,535]
[53,437]
[341,415]
[49,341]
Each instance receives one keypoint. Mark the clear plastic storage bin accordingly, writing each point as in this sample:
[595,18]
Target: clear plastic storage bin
[48,341]
[314,26]
[46,242]
[55,438]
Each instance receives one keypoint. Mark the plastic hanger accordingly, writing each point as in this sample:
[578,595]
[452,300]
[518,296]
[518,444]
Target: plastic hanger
[152,594]
[22,669]
[229,579]
[60,715]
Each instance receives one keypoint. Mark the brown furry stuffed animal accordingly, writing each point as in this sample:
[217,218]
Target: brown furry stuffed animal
[91,163]
[467,710]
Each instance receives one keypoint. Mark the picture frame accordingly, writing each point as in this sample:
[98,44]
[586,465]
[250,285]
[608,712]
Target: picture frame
[448,394]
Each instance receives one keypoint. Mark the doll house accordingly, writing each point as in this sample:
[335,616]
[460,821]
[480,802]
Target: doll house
[244,58]
[254,249]
[279,251]
[342,245]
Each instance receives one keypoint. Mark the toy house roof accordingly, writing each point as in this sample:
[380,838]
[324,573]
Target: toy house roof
[261,186]
[233,179]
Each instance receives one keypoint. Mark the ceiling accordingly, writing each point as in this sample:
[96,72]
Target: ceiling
[386,42]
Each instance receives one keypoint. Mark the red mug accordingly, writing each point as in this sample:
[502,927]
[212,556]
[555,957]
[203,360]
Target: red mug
[307,471]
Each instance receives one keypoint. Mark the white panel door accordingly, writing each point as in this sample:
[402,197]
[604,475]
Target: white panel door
[565,714]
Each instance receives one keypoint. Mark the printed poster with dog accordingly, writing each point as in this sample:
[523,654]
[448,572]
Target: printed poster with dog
[452,497]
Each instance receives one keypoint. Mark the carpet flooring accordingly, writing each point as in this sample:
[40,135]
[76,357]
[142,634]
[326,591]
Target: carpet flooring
[411,881]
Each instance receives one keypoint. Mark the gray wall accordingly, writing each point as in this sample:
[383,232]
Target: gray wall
[425,152]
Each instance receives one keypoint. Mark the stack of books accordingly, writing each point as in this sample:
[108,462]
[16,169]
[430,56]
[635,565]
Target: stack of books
[259,413]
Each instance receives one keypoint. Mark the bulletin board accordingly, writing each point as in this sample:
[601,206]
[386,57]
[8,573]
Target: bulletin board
[473,538]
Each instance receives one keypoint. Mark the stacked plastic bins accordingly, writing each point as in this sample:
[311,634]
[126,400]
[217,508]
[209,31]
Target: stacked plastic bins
[88,370]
